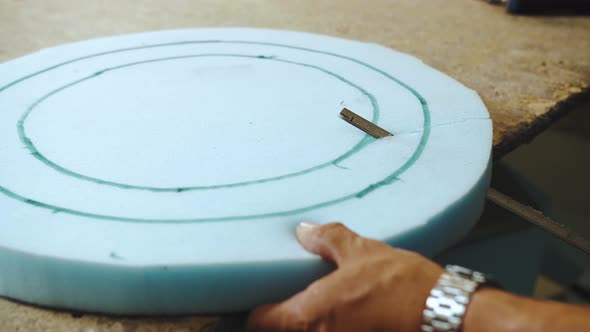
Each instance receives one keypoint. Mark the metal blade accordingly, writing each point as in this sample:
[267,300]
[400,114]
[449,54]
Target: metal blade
[363,124]
[539,219]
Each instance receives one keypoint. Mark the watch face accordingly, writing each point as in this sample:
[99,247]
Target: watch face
[172,167]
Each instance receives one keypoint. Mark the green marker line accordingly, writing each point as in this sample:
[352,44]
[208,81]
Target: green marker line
[37,154]
[358,195]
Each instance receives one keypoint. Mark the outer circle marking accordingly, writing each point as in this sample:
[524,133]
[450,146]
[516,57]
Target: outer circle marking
[360,194]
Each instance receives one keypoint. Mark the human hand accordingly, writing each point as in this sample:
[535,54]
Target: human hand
[374,288]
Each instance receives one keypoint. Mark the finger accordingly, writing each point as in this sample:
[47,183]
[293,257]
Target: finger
[271,318]
[287,316]
[298,313]
[333,242]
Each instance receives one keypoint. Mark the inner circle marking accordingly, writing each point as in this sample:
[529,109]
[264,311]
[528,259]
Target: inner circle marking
[391,178]
[366,140]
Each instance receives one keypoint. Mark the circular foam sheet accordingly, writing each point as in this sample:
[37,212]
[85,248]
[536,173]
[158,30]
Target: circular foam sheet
[164,173]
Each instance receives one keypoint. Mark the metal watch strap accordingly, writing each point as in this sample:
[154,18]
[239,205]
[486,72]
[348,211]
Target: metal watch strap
[448,300]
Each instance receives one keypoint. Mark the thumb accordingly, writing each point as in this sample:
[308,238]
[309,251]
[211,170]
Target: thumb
[333,242]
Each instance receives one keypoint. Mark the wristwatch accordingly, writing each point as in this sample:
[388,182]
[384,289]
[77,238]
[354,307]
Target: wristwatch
[448,300]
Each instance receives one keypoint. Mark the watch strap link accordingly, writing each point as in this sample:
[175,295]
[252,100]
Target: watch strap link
[448,300]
